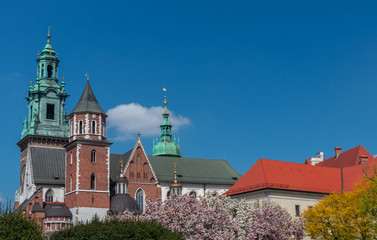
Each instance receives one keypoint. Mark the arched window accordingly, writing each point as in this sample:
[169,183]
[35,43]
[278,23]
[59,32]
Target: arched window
[93,181]
[140,199]
[80,127]
[71,158]
[49,195]
[49,70]
[93,127]
[93,156]
[43,70]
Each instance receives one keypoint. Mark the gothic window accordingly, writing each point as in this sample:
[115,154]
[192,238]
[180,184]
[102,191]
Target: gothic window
[49,70]
[49,195]
[93,156]
[80,127]
[93,127]
[50,113]
[140,199]
[93,181]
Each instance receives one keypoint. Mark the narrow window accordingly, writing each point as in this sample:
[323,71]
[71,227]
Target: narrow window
[80,127]
[103,129]
[297,207]
[43,70]
[49,196]
[93,181]
[50,113]
[70,185]
[71,158]
[124,188]
[140,199]
[49,70]
[93,158]
[93,127]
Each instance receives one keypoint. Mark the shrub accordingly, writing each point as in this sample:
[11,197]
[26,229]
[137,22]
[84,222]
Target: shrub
[115,229]
[16,226]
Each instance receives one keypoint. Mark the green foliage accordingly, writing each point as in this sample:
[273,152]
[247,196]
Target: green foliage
[116,229]
[16,225]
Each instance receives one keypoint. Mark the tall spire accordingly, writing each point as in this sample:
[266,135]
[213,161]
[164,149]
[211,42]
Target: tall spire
[166,145]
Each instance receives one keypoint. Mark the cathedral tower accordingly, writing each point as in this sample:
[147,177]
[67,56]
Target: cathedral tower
[87,159]
[45,128]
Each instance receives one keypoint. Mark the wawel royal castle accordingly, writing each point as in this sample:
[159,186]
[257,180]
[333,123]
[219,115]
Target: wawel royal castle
[68,173]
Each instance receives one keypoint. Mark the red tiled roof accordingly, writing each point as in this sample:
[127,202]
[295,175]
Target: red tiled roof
[289,176]
[348,158]
[300,177]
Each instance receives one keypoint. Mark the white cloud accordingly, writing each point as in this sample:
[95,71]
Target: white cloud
[128,119]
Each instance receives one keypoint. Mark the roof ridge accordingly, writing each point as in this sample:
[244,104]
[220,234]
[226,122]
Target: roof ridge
[264,173]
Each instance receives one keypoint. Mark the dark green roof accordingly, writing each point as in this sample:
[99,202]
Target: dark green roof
[88,102]
[194,170]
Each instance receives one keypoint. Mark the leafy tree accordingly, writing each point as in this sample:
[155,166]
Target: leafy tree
[16,225]
[338,216]
[368,203]
[115,229]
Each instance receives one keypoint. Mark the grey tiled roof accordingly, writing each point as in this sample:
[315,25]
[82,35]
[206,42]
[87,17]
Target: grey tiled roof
[57,210]
[88,102]
[115,164]
[48,165]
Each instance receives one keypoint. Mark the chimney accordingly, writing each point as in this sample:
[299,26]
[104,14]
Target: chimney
[338,150]
[317,159]
[363,159]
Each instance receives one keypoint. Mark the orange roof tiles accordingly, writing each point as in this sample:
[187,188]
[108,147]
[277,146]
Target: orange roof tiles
[348,158]
[303,177]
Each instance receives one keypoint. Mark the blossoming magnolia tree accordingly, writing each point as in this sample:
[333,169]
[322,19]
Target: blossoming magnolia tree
[220,217]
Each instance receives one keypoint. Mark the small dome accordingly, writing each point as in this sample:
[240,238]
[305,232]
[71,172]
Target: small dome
[122,202]
[57,210]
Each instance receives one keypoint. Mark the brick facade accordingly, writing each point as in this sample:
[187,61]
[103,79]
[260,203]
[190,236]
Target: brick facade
[140,175]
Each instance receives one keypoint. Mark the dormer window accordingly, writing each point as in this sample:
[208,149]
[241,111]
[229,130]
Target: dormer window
[50,112]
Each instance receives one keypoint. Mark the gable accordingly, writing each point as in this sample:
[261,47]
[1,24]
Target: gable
[138,168]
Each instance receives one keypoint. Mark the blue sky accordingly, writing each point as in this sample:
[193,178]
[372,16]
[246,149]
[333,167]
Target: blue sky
[246,79]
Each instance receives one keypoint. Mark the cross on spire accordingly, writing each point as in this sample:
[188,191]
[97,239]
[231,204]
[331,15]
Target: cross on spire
[87,76]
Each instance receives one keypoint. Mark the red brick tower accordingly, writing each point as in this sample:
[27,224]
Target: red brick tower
[87,160]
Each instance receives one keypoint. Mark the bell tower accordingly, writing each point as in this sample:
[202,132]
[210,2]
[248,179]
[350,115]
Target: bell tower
[87,159]
[46,98]
[45,126]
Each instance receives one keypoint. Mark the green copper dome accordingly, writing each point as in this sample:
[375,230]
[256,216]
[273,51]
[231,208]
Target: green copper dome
[166,145]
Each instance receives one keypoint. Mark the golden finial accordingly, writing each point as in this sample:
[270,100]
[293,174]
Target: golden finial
[121,167]
[63,78]
[38,53]
[31,82]
[48,34]
[87,76]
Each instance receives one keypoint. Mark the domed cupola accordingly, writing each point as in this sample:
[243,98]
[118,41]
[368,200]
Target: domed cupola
[122,201]
[166,145]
